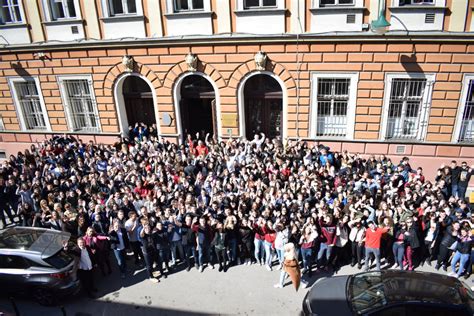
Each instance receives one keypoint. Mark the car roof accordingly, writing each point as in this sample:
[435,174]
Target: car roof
[45,242]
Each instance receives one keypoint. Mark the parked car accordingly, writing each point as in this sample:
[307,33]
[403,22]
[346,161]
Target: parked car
[389,293]
[33,263]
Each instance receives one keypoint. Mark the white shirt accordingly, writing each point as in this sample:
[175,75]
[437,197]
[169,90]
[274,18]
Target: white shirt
[85,263]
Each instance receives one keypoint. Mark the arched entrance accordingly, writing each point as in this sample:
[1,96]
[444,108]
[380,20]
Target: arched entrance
[263,97]
[138,99]
[197,106]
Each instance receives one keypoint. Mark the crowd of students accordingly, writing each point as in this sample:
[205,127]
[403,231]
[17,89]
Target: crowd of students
[208,203]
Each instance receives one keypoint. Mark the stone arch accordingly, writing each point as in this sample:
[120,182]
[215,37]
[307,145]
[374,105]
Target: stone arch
[172,78]
[118,69]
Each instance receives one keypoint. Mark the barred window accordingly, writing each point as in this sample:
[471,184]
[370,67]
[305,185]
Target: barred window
[405,108]
[62,9]
[10,12]
[29,104]
[255,4]
[466,133]
[122,7]
[80,104]
[188,5]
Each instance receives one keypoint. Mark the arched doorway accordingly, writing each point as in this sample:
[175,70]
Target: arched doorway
[263,106]
[197,106]
[138,99]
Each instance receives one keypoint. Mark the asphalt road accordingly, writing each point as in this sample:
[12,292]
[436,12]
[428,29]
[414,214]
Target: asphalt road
[242,290]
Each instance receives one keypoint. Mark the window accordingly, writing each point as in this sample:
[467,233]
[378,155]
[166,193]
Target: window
[323,3]
[10,12]
[81,108]
[13,262]
[255,4]
[466,121]
[122,7]
[415,2]
[407,107]
[62,9]
[334,104]
[29,103]
[188,5]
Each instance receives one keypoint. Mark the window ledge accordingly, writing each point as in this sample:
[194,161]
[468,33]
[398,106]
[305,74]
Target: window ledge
[337,9]
[13,25]
[270,11]
[189,14]
[64,22]
[123,18]
[417,8]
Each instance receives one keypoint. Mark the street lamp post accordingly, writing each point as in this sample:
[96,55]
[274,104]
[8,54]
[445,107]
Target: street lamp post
[380,25]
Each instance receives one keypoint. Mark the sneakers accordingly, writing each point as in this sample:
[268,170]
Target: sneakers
[154,280]
[278,286]
[445,268]
[394,266]
[261,263]
[268,267]
[212,267]
[201,269]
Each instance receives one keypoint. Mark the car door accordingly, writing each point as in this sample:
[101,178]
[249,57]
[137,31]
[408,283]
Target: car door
[13,273]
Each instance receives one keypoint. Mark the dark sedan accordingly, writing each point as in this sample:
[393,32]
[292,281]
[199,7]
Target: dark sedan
[33,263]
[389,293]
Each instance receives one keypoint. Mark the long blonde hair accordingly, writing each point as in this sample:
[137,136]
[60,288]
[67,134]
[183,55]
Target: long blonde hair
[290,251]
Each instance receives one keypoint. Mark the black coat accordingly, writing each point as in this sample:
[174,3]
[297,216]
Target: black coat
[114,239]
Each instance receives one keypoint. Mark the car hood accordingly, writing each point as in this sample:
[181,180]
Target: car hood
[328,297]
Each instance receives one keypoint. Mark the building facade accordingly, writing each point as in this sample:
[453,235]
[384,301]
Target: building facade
[309,69]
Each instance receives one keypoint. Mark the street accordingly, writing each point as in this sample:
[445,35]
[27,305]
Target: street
[243,290]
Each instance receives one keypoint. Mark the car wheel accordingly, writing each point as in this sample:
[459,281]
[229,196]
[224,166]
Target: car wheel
[44,297]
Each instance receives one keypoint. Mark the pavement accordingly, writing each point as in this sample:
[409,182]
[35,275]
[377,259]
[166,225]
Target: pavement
[242,290]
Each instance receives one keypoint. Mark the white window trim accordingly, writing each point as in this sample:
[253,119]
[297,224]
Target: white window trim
[463,98]
[436,3]
[280,5]
[174,9]
[22,15]
[19,110]
[351,105]
[107,12]
[49,16]
[67,110]
[425,106]
[317,4]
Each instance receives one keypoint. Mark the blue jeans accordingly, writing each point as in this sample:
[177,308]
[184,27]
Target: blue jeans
[280,253]
[232,250]
[463,258]
[176,244]
[376,253]
[306,253]
[268,253]
[258,249]
[120,256]
[323,248]
[188,252]
[398,251]
[203,254]
[455,190]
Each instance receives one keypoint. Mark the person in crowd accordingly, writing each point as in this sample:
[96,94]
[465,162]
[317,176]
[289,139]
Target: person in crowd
[119,243]
[290,267]
[373,237]
[85,271]
[148,249]
[98,246]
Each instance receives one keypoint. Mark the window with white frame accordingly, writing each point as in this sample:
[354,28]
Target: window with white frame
[334,104]
[466,113]
[415,2]
[62,9]
[407,103]
[122,7]
[29,103]
[324,3]
[10,12]
[257,4]
[188,5]
[80,103]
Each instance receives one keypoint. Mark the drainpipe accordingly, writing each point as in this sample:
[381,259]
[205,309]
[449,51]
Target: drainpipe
[298,69]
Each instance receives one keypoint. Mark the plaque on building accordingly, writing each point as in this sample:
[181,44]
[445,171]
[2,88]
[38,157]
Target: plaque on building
[229,120]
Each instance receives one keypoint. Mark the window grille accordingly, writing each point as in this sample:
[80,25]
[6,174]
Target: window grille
[429,18]
[350,19]
[405,106]
[80,105]
[10,11]
[332,103]
[467,124]
[29,101]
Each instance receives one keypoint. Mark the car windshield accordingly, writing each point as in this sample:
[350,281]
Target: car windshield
[369,291]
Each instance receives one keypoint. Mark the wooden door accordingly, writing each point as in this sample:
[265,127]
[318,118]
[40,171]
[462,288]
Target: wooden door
[263,116]
[140,110]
